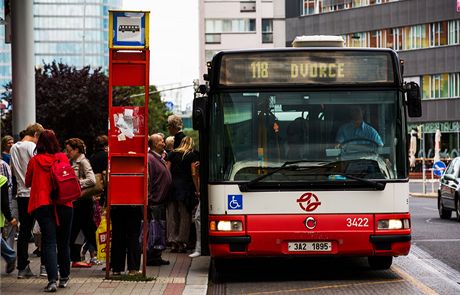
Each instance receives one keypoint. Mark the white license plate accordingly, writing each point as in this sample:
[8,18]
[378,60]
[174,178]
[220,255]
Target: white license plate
[309,246]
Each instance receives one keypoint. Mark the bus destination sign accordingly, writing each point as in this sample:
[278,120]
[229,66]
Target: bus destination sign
[306,67]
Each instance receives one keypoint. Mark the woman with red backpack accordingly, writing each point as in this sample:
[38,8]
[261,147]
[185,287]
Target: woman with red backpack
[54,220]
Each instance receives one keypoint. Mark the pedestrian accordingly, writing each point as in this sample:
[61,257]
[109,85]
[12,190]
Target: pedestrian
[125,247]
[83,207]
[54,220]
[183,194]
[9,229]
[7,143]
[21,153]
[175,126]
[159,183]
[7,252]
[99,164]
[169,141]
[196,211]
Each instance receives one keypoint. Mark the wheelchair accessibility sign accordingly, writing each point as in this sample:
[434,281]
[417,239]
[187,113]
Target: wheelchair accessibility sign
[235,202]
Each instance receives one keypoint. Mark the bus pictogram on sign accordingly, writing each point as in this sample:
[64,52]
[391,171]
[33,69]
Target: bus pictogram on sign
[308,202]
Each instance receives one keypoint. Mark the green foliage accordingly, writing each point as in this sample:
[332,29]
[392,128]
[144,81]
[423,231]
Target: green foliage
[158,112]
[72,102]
[6,116]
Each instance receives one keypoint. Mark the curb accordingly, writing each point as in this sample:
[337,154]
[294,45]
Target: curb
[420,195]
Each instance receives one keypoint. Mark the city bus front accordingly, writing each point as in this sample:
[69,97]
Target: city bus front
[315,166]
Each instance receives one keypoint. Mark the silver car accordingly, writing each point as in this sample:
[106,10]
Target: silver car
[449,191]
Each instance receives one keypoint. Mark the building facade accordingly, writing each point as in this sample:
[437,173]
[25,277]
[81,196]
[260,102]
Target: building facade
[426,35]
[237,24]
[74,32]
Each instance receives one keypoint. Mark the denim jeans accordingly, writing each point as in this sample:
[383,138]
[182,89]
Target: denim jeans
[55,237]
[25,232]
[7,252]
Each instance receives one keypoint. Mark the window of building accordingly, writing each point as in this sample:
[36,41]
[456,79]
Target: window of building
[454,32]
[267,30]
[397,38]
[454,85]
[213,38]
[247,6]
[319,6]
[438,34]
[310,7]
[435,86]
[230,25]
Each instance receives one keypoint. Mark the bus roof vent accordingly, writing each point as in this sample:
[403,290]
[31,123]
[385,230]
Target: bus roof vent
[318,41]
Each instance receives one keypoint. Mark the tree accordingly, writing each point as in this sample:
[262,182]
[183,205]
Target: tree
[72,102]
[158,112]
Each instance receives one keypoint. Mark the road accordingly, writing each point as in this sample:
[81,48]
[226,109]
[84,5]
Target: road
[432,267]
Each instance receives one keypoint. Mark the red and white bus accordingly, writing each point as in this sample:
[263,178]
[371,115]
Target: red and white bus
[288,168]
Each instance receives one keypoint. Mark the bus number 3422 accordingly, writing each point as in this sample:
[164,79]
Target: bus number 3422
[357,222]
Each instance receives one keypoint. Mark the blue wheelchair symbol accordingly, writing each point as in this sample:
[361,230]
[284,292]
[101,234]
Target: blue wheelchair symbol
[235,202]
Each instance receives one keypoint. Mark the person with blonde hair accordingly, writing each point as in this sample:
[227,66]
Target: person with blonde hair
[184,191]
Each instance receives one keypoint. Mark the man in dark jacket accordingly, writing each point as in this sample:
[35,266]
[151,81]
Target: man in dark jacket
[159,183]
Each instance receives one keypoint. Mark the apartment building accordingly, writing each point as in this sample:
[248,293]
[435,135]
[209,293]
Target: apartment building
[237,24]
[425,33]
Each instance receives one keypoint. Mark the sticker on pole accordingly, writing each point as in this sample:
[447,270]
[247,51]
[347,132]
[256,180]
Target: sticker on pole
[438,168]
[235,202]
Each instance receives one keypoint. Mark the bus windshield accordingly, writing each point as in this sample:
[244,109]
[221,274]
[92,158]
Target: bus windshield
[328,134]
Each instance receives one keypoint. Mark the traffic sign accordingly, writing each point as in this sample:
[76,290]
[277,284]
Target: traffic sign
[438,168]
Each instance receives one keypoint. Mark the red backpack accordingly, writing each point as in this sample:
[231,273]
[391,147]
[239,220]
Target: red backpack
[66,187]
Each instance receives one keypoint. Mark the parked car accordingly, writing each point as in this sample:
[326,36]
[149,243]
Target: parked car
[449,191]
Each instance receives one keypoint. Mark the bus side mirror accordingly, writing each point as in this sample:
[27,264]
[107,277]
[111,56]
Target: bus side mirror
[199,112]
[414,100]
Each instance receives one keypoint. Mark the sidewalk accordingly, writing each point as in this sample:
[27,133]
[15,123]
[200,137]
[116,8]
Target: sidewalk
[184,276]
[431,187]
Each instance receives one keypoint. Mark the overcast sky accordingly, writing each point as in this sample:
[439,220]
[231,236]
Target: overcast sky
[173,40]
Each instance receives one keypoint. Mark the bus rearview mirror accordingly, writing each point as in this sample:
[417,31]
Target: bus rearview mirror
[414,100]
[199,113]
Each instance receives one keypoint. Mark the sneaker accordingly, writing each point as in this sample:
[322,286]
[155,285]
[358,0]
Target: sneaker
[43,271]
[63,282]
[51,287]
[25,273]
[94,261]
[81,264]
[195,254]
[10,266]
[134,272]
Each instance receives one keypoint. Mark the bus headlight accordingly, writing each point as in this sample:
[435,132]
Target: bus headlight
[393,224]
[226,225]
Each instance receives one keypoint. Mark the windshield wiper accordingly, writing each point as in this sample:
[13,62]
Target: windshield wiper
[375,184]
[288,165]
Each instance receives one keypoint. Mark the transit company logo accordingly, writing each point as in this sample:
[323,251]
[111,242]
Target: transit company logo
[308,202]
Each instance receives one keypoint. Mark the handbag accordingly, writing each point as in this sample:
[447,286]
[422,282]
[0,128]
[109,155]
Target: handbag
[156,234]
[96,189]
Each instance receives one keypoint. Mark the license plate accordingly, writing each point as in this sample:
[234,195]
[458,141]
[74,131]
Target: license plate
[309,246]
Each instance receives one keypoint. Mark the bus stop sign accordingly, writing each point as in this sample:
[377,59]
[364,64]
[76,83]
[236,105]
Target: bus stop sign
[438,168]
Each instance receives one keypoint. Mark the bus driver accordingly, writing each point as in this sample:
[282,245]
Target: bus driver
[357,130]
